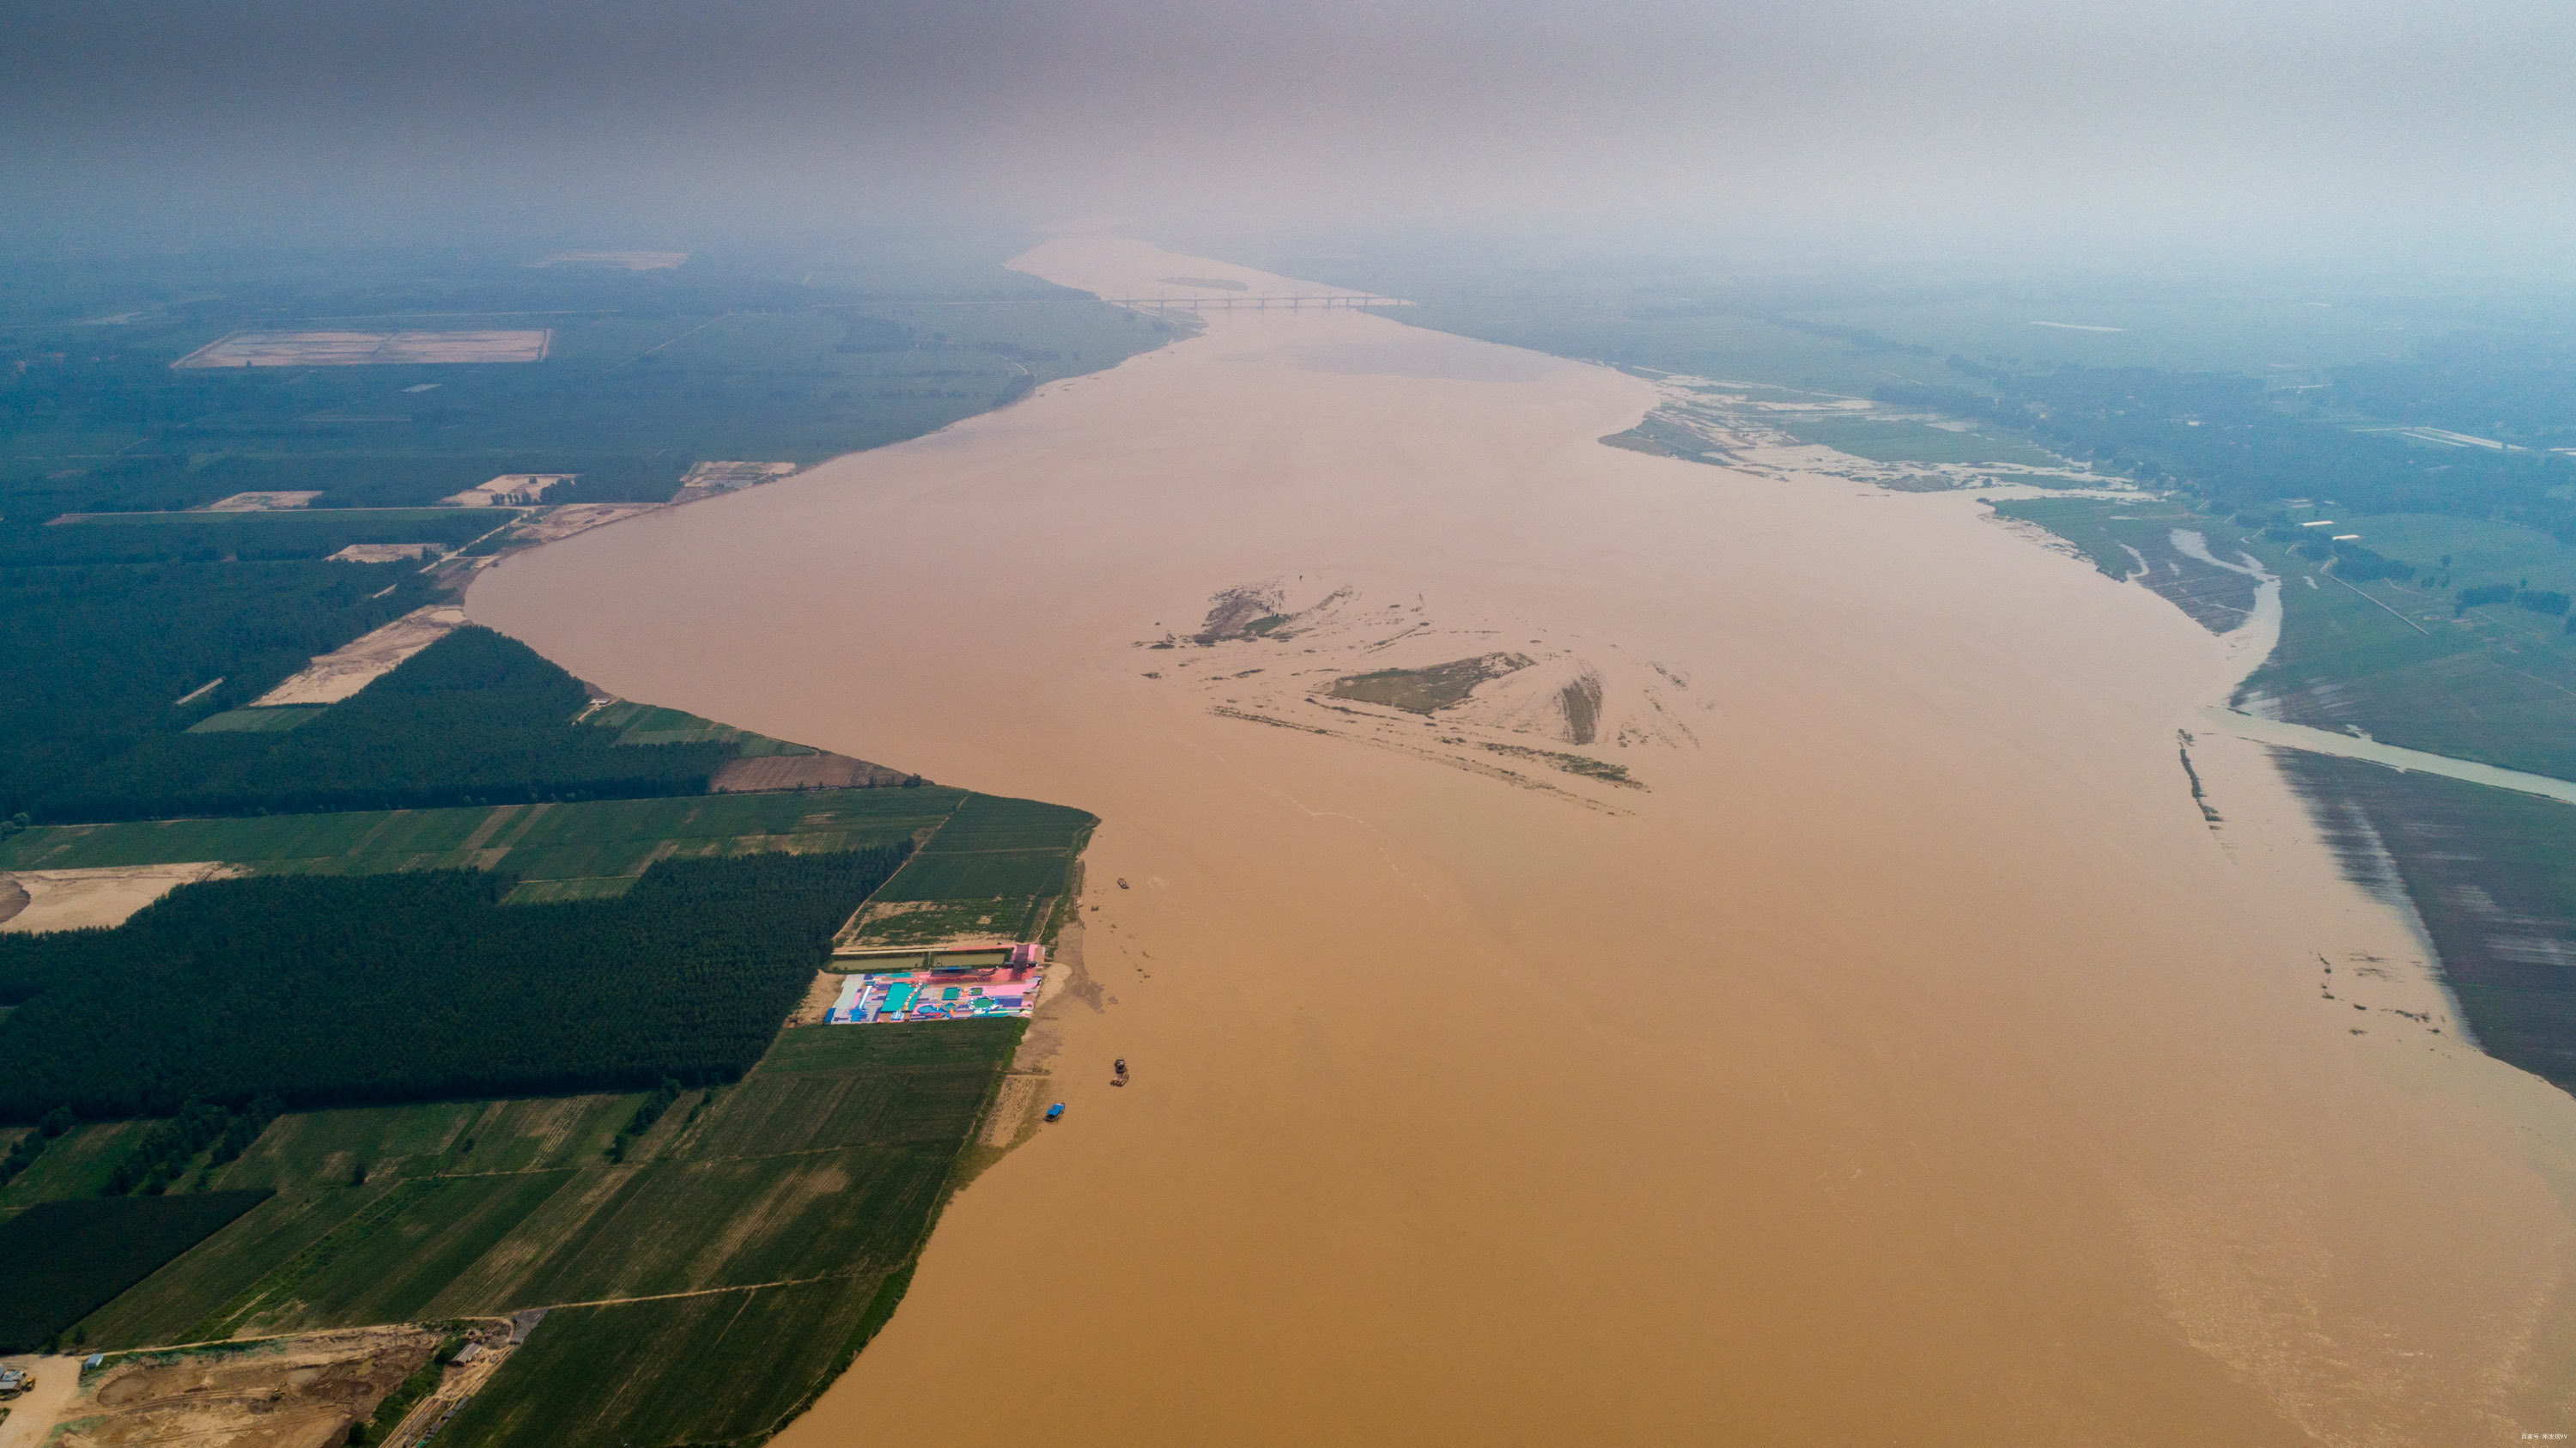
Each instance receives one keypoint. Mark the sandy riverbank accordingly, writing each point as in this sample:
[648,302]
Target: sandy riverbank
[1909,1061]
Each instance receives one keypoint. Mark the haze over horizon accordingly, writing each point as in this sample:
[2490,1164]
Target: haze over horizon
[2375,131]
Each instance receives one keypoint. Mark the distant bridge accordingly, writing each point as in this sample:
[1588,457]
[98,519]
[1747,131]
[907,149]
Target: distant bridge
[1258,303]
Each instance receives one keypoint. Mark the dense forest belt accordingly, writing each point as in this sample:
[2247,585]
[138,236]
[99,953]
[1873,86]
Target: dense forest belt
[644,373]
[475,718]
[64,1260]
[244,537]
[94,660]
[338,990]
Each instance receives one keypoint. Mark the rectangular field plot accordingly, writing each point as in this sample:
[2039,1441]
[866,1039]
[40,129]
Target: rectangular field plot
[267,840]
[720,1368]
[825,1161]
[541,892]
[175,1303]
[358,349]
[60,1260]
[926,923]
[981,875]
[820,1088]
[592,840]
[989,822]
[392,1268]
[77,1164]
[256,721]
[331,1148]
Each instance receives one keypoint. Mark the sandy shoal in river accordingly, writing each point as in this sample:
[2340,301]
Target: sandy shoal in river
[1909,1063]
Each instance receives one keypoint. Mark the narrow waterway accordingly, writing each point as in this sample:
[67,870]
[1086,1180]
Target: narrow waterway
[1909,1060]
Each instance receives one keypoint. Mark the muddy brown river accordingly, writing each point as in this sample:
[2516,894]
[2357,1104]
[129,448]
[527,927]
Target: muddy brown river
[1899,1056]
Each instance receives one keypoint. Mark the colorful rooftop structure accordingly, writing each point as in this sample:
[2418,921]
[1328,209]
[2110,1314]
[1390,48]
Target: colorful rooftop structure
[923,989]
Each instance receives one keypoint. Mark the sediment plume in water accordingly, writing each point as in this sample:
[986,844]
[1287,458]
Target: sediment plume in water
[1893,1052]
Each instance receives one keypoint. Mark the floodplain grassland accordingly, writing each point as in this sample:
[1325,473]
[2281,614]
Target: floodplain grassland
[2135,538]
[1426,690]
[1905,440]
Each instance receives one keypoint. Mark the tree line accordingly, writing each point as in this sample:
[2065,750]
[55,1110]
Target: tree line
[240,537]
[342,990]
[93,660]
[475,718]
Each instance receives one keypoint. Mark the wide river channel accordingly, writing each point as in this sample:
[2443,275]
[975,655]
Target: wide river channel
[1901,1056]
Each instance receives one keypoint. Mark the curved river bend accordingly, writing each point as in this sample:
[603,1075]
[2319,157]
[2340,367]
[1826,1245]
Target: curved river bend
[1908,1061]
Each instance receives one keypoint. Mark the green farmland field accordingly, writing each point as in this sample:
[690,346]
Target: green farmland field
[598,840]
[2479,551]
[61,1259]
[75,1165]
[941,921]
[991,822]
[709,1369]
[821,1168]
[958,875]
[653,724]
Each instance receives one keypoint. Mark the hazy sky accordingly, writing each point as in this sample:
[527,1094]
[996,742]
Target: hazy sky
[2286,124]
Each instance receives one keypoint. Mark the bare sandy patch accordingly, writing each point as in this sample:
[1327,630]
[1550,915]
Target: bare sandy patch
[261,502]
[32,1414]
[354,665]
[508,490]
[80,899]
[293,1392]
[359,349]
[383,552]
[570,518]
[705,480]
